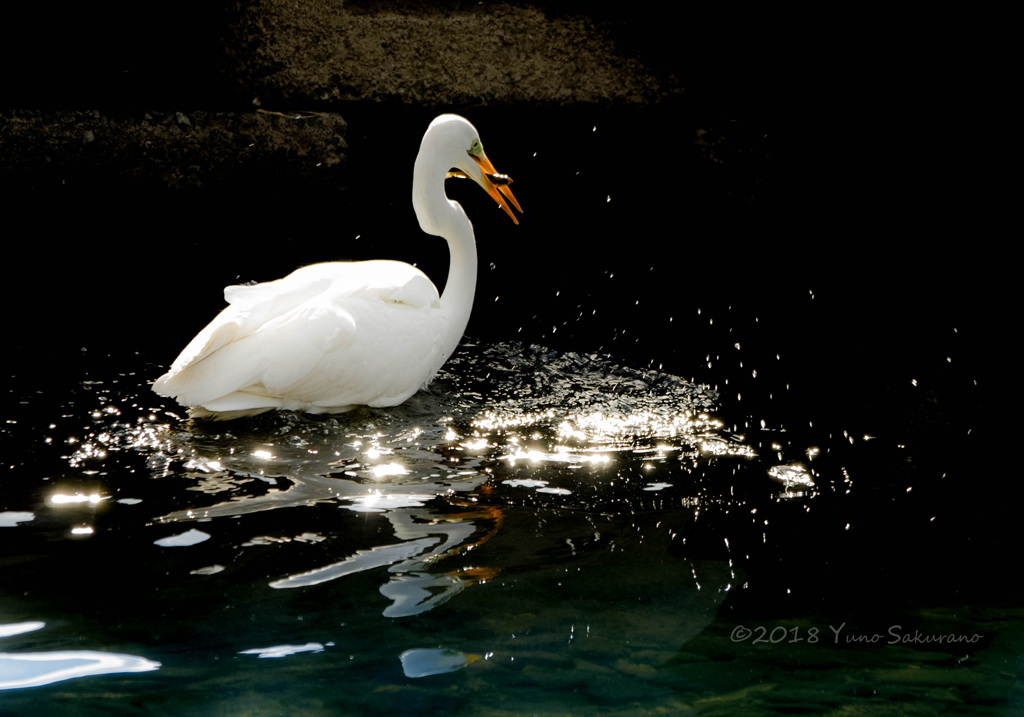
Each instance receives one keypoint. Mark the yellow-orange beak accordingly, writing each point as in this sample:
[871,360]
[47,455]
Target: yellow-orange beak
[497,185]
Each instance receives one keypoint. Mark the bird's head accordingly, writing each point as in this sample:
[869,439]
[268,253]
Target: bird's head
[468,159]
[496,185]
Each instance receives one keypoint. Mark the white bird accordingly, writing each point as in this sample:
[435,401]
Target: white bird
[333,336]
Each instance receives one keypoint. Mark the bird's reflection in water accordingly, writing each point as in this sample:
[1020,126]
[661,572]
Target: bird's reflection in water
[427,538]
[432,519]
[504,427]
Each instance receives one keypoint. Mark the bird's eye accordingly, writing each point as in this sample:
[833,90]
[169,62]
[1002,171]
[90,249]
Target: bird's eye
[476,149]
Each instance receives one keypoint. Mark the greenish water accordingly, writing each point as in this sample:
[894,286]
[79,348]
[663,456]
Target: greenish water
[718,446]
[539,533]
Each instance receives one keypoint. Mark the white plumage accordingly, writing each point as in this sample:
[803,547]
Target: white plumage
[329,337]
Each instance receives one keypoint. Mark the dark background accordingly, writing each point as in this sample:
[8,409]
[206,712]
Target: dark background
[835,217]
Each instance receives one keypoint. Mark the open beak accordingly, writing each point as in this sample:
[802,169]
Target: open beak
[497,185]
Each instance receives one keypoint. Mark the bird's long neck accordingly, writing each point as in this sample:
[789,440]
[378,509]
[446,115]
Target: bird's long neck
[442,217]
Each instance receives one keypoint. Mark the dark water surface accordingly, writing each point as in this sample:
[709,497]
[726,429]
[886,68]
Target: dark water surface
[695,458]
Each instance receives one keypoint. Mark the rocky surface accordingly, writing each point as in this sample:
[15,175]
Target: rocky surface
[461,53]
[168,149]
[209,93]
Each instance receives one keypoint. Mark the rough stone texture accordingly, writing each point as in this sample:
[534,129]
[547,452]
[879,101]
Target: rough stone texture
[168,149]
[211,69]
[453,54]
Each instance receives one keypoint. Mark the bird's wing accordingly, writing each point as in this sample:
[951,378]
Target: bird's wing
[391,281]
[251,306]
[248,308]
[275,336]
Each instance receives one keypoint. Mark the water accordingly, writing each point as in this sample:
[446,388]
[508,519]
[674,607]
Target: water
[708,482]
[540,531]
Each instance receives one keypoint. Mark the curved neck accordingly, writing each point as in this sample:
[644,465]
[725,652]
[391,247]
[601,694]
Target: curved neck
[442,217]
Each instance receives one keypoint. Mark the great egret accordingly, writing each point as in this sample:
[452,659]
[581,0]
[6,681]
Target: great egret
[329,337]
